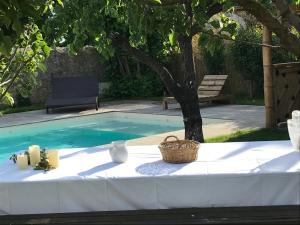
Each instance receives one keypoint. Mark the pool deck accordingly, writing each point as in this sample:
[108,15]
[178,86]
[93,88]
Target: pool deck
[230,118]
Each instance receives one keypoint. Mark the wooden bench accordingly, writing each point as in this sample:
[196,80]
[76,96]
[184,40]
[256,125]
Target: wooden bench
[288,214]
[209,90]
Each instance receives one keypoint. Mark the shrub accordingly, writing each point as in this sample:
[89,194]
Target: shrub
[247,56]
[23,101]
[130,86]
[214,58]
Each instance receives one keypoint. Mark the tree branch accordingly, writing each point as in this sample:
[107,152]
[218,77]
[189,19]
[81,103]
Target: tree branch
[11,59]
[162,71]
[189,13]
[5,82]
[286,12]
[15,76]
[288,40]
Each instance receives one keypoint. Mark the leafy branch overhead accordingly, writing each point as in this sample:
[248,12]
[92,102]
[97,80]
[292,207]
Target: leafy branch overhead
[22,47]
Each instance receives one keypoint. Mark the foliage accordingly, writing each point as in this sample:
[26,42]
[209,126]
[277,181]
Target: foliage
[15,15]
[92,21]
[214,58]
[14,109]
[19,67]
[22,101]
[145,85]
[247,56]
[22,47]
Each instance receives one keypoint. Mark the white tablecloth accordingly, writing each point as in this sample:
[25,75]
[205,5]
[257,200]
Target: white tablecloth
[225,174]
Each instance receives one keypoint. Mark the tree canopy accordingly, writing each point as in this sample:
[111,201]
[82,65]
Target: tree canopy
[22,46]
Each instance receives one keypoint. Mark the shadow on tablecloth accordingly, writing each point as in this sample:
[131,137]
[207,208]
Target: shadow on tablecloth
[99,168]
[159,168]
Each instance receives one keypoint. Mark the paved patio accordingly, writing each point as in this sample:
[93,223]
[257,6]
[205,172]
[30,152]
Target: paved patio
[217,119]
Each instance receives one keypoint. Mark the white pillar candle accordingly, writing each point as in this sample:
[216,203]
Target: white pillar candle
[22,162]
[53,157]
[34,154]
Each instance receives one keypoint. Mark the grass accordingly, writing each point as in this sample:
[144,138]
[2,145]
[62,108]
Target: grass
[252,135]
[248,101]
[20,109]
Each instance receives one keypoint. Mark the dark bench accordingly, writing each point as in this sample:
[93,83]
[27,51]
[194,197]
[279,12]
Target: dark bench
[74,91]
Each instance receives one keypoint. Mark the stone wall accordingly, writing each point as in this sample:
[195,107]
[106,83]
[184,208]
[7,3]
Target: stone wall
[61,64]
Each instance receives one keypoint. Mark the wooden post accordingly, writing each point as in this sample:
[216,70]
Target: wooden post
[268,80]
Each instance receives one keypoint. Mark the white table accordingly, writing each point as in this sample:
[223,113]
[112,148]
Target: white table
[225,174]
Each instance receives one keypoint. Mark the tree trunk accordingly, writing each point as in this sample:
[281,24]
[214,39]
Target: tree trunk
[188,100]
[187,95]
[186,48]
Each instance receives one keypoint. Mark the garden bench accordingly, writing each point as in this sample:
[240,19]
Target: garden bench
[209,90]
[74,91]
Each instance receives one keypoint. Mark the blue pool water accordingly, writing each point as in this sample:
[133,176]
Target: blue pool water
[84,131]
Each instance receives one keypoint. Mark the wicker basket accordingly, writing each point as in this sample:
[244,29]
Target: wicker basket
[179,151]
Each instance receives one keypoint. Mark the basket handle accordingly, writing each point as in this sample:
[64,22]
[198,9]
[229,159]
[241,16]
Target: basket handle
[171,136]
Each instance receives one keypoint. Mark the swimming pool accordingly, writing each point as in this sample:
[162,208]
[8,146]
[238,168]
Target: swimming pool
[87,130]
[84,131]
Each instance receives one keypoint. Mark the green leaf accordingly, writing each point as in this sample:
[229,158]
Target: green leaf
[46,50]
[42,67]
[172,37]
[60,2]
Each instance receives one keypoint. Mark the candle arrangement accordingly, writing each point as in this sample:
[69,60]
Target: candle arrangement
[37,158]
[44,162]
